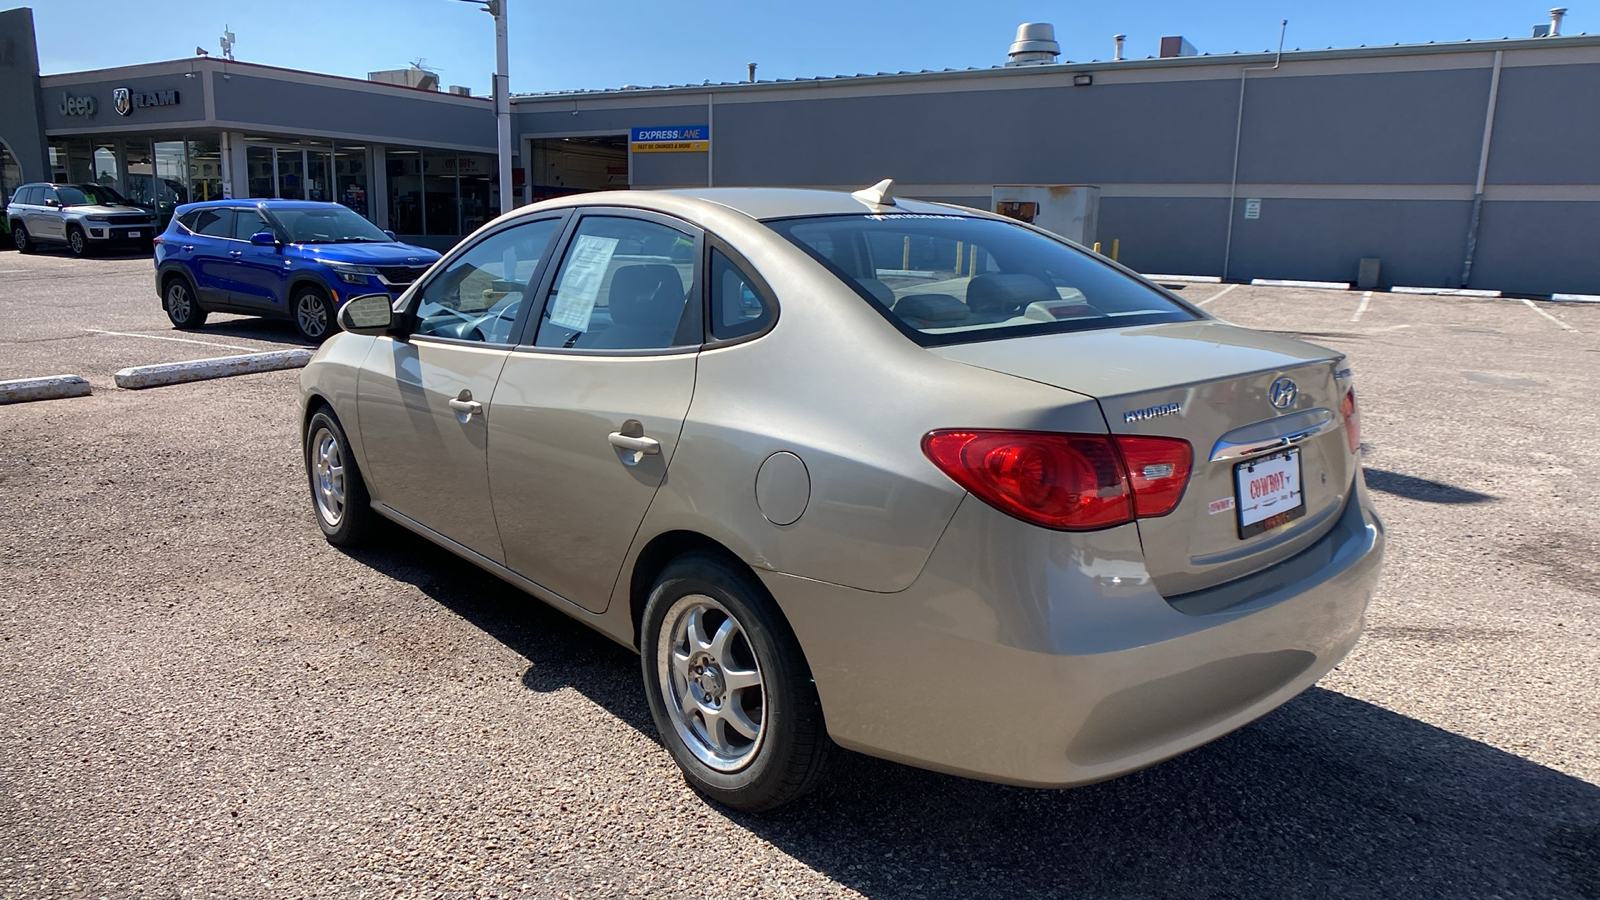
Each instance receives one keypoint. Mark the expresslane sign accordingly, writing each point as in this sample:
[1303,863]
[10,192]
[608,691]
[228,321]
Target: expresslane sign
[671,139]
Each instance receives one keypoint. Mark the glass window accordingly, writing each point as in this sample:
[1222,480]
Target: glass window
[89,195]
[350,178]
[622,286]
[736,307]
[291,175]
[47,195]
[211,222]
[404,168]
[319,176]
[325,225]
[258,163]
[952,279]
[205,169]
[479,200]
[105,164]
[248,222]
[139,182]
[439,186]
[172,177]
[478,295]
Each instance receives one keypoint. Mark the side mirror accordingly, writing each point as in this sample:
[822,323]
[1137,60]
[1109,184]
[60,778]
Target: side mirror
[264,239]
[368,314]
[53,204]
[390,234]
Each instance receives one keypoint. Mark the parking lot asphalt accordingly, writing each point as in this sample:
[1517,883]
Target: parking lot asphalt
[199,697]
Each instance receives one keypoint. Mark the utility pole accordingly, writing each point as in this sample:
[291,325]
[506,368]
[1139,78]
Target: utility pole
[502,96]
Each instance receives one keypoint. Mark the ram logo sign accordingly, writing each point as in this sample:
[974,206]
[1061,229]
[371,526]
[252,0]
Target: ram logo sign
[126,101]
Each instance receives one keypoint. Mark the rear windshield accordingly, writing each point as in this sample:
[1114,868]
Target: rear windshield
[955,279]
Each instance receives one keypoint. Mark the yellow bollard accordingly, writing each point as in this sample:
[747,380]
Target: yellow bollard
[1097,246]
[1114,245]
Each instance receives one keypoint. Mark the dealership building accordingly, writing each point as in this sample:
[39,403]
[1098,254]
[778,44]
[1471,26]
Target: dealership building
[1470,163]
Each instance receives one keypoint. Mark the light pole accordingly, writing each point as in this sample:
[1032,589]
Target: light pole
[502,95]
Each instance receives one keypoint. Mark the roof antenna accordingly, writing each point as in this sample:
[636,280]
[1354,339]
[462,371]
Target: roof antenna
[880,194]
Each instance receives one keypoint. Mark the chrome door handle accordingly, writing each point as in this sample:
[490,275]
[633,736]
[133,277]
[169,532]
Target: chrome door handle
[470,407]
[235,253]
[645,445]
[188,246]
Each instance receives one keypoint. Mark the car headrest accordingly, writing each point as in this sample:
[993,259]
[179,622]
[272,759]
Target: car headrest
[880,291]
[931,310]
[1006,293]
[645,292]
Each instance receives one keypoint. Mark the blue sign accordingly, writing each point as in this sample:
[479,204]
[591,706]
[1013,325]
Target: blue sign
[670,134]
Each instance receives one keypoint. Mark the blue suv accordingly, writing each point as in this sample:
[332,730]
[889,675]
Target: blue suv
[285,259]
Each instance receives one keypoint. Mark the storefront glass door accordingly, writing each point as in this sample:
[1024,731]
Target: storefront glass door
[291,175]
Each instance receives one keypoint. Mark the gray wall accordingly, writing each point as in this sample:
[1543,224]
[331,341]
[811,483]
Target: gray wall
[1352,156]
[284,105]
[20,105]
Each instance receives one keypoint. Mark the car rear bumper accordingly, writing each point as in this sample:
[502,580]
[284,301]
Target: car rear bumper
[1040,658]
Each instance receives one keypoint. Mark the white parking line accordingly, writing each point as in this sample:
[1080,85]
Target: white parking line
[1365,299]
[1216,295]
[1548,316]
[162,337]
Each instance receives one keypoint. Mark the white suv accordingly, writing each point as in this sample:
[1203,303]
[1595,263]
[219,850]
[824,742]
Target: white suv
[85,217]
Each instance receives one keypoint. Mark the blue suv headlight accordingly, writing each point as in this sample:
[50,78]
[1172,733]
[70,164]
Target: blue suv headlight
[351,274]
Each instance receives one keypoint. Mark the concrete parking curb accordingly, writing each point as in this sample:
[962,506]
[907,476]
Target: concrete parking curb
[1191,279]
[1289,283]
[50,387]
[1444,292]
[201,369]
[1575,298]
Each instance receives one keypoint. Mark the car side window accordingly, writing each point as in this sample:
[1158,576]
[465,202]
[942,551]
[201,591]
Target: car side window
[47,195]
[479,294]
[247,222]
[25,196]
[623,285]
[736,305]
[212,222]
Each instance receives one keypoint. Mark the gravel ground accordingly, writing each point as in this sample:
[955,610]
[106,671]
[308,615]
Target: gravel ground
[201,698]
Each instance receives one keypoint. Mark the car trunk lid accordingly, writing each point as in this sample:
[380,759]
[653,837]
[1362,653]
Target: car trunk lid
[1211,384]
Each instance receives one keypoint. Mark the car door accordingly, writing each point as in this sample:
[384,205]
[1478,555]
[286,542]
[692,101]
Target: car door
[589,407]
[426,402]
[260,273]
[206,249]
[47,221]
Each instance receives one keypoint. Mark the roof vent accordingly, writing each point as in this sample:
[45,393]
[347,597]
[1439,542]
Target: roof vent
[1035,45]
[1554,28]
[1176,46]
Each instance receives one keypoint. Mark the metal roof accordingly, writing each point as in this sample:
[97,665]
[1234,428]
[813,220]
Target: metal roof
[1095,65]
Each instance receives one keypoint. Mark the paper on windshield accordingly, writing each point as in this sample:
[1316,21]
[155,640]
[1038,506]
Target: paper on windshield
[580,281]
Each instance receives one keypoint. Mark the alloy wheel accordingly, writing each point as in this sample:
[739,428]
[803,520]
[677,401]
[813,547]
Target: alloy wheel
[76,242]
[327,476]
[178,302]
[714,692]
[311,315]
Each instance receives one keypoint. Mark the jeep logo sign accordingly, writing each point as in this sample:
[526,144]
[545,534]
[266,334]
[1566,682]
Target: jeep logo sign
[77,106]
[127,101]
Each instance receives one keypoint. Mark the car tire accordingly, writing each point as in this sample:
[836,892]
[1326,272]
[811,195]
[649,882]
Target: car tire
[708,626]
[183,308]
[339,497]
[77,242]
[313,314]
[21,239]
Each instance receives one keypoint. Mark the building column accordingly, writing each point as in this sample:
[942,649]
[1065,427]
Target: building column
[378,187]
[235,166]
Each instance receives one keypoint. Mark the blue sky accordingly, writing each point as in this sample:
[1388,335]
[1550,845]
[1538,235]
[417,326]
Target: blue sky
[566,45]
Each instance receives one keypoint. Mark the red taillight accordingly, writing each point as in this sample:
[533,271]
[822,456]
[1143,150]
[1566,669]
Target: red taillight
[158,239]
[1158,469]
[1352,420]
[1069,482]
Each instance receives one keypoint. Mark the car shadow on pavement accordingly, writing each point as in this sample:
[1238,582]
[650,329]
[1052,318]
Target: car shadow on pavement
[278,331]
[1328,796]
[1413,488]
